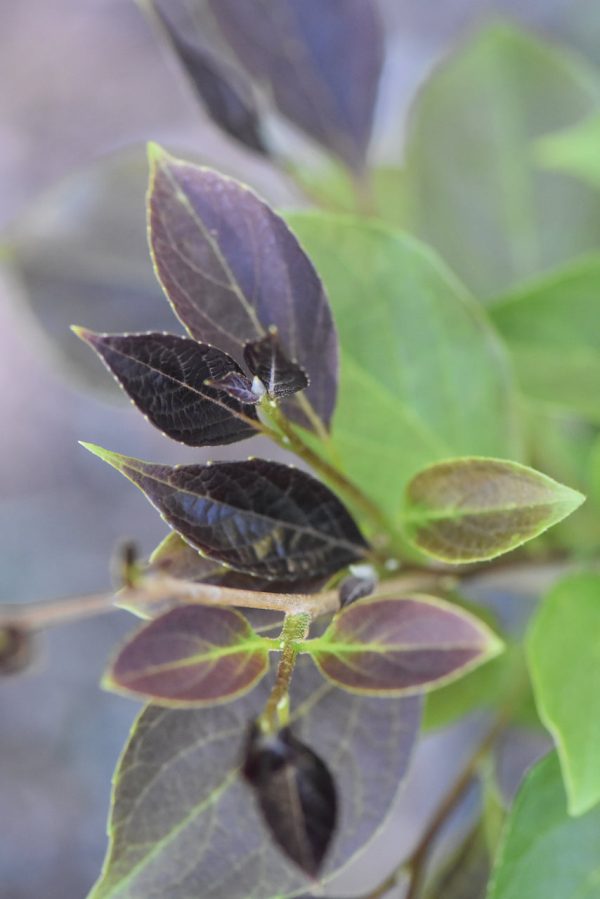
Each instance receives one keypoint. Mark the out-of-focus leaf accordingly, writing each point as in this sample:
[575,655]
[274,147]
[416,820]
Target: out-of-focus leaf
[170,830]
[545,853]
[471,509]
[385,193]
[465,874]
[191,656]
[423,375]
[260,517]
[296,794]
[487,687]
[401,646]
[552,328]
[320,62]
[279,375]
[82,255]
[226,95]
[16,649]
[478,196]
[166,377]
[232,269]
[575,150]
[565,671]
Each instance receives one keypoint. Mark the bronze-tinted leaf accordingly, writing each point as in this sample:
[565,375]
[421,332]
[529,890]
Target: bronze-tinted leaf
[295,792]
[16,649]
[262,518]
[227,96]
[401,646]
[474,508]
[232,268]
[268,362]
[166,377]
[320,61]
[191,656]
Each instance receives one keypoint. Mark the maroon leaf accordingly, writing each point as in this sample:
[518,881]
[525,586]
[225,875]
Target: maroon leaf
[320,61]
[237,386]
[296,794]
[401,646]
[166,377]
[227,97]
[192,656]
[262,518]
[278,374]
[231,268]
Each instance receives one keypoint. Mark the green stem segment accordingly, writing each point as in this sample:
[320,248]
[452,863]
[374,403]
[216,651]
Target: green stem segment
[275,714]
[288,438]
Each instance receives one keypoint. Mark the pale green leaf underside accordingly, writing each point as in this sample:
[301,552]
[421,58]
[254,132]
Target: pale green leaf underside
[564,660]
[575,150]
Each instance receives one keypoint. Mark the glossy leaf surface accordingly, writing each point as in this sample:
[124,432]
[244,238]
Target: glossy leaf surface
[478,195]
[565,671]
[412,339]
[191,656]
[261,518]
[320,62]
[166,377]
[470,509]
[226,95]
[552,327]
[170,827]
[279,375]
[545,852]
[232,269]
[296,794]
[399,646]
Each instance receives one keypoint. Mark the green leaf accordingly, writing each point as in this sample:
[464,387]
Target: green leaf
[575,150]
[545,853]
[394,647]
[552,327]
[261,518]
[564,659]
[478,196]
[412,340]
[472,509]
[177,791]
[191,656]
[487,687]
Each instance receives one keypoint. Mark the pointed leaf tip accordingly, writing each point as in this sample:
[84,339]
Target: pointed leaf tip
[475,508]
[114,459]
[155,152]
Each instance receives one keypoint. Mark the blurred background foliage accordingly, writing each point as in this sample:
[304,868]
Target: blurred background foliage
[486,146]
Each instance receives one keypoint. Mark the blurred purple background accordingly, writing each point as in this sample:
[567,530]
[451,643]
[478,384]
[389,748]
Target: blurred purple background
[78,81]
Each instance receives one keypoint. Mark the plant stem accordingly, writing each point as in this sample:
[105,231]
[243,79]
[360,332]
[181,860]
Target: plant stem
[276,711]
[288,438]
[152,589]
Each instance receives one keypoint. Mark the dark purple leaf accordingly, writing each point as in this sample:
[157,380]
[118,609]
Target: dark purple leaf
[178,559]
[232,268]
[401,646]
[166,377]
[268,362]
[262,518]
[228,98]
[296,795]
[238,387]
[356,587]
[192,655]
[321,62]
